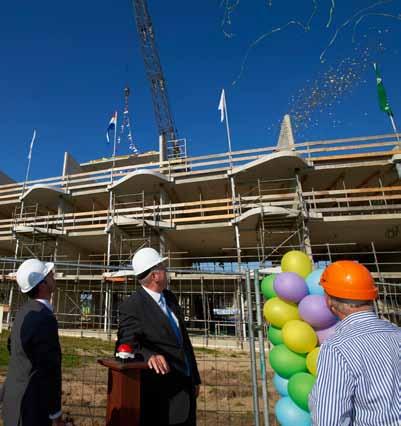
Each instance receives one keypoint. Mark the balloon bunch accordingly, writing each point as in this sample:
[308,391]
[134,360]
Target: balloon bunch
[299,321]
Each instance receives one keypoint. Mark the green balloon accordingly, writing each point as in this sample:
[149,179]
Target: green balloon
[275,335]
[299,387]
[267,286]
[285,362]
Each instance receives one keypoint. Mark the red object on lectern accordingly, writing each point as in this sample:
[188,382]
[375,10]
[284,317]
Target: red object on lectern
[125,353]
[123,392]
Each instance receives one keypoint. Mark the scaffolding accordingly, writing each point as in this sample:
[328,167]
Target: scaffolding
[214,216]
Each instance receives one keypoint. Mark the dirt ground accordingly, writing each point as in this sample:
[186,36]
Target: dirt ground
[225,397]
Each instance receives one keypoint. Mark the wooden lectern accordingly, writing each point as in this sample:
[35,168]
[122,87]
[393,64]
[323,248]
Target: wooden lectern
[123,392]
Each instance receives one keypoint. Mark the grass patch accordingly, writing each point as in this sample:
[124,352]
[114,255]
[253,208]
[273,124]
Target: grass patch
[71,361]
[221,353]
[77,351]
[207,351]
[90,345]
[4,356]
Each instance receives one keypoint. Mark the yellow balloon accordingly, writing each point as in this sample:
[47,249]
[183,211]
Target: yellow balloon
[298,262]
[299,336]
[311,361]
[278,312]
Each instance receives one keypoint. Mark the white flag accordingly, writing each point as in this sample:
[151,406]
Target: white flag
[31,146]
[222,106]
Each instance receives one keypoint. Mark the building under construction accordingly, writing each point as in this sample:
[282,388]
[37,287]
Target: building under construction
[213,215]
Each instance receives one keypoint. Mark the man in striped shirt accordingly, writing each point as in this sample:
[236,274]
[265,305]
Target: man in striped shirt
[359,368]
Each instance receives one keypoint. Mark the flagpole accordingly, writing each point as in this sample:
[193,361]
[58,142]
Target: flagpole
[28,168]
[29,160]
[228,132]
[109,222]
[114,147]
[233,192]
[110,214]
[395,129]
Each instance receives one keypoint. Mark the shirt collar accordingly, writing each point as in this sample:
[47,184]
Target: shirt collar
[355,318]
[46,303]
[153,294]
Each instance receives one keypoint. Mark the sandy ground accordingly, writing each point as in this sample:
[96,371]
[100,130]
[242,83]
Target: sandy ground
[225,397]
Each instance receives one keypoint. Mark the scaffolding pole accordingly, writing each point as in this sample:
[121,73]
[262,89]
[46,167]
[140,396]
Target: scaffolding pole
[251,342]
[261,340]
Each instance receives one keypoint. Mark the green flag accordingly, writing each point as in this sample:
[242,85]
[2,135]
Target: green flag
[381,93]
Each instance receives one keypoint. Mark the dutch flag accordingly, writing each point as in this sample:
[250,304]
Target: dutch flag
[112,126]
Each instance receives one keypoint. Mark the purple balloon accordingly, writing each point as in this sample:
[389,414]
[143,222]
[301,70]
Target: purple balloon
[314,311]
[323,335]
[290,286]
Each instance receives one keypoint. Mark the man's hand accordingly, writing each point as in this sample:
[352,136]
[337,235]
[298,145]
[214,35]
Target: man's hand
[197,389]
[159,364]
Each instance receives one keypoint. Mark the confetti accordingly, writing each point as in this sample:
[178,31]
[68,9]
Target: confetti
[359,20]
[258,40]
[229,7]
[333,5]
[347,22]
[355,20]
[330,87]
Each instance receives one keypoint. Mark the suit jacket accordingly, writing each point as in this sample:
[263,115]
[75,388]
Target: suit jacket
[166,399]
[32,389]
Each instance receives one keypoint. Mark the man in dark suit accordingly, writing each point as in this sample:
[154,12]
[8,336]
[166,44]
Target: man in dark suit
[32,391]
[151,321]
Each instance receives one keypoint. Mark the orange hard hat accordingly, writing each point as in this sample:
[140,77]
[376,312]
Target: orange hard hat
[348,279]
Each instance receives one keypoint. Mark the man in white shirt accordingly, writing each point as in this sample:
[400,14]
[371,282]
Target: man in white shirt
[358,370]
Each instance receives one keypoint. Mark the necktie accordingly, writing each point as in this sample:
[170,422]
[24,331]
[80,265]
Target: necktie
[176,329]
[171,320]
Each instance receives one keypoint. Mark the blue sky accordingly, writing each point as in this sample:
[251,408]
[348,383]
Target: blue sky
[65,64]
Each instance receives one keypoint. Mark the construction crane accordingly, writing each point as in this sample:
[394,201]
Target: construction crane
[154,72]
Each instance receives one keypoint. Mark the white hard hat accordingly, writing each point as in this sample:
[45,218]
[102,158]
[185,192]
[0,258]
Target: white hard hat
[145,259]
[31,273]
